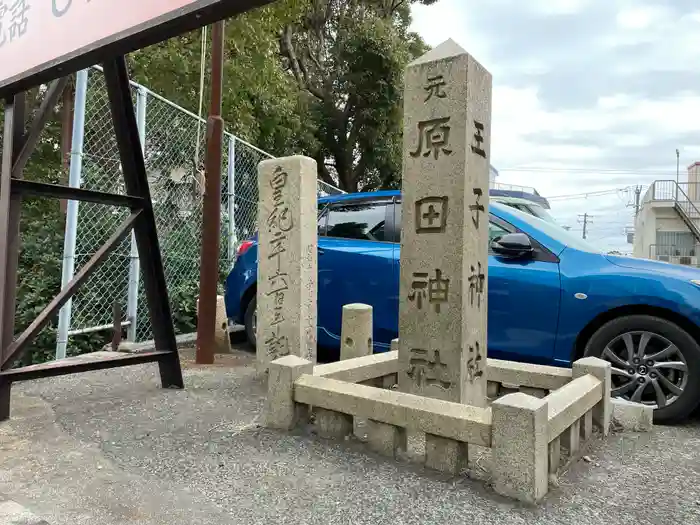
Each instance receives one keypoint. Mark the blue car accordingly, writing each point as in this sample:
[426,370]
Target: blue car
[552,297]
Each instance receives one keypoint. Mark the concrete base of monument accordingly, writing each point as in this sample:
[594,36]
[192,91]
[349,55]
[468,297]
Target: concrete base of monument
[518,443]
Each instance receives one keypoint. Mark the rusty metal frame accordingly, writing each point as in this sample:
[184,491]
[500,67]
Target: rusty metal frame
[16,148]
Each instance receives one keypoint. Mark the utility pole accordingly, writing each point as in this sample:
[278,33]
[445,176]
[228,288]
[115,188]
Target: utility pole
[211,207]
[585,221]
[637,194]
[678,171]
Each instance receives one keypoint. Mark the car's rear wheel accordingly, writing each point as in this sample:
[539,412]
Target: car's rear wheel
[250,321]
[654,362]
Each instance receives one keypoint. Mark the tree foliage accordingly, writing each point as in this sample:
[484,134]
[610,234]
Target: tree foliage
[319,77]
[347,58]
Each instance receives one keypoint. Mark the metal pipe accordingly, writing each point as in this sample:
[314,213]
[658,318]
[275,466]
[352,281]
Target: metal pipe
[231,188]
[74,177]
[211,207]
[132,301]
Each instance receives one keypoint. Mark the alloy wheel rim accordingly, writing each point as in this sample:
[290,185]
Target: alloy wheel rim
[647,368]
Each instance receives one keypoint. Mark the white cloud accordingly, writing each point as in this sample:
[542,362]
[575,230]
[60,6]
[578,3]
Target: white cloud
[627,66]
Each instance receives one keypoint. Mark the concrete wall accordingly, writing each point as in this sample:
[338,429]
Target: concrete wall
[654,217]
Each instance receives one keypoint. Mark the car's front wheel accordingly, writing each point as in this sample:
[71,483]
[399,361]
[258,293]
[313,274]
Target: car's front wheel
[250,321]
[654,362]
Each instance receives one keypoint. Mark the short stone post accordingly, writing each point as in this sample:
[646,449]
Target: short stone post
[222,340]
[519,446]
[287,259]
[444,257]
[356,331]
[601,370]
[280,409]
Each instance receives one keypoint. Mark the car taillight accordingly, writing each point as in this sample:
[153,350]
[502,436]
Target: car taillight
[244,246]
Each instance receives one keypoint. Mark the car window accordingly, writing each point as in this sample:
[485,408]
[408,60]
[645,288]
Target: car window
[495,231]
[322,224]
[357,221]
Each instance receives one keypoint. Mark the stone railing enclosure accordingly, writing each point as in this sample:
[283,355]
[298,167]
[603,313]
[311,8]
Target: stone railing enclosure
[526,433]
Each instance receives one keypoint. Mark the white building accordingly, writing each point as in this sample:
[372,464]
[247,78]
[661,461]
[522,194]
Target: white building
[493,173]
[667,227]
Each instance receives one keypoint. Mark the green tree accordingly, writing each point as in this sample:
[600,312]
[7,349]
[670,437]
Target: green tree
[347,58]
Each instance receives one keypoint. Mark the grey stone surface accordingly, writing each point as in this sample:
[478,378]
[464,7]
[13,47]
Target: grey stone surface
[554,455]
[332,424]
[113,448]
[571,438]
[534,392]
[280,409]
[360,369]
[443,283]
[457,421]
[519,446]
[12,513]
[287,255]
[445,455]
[587,425]
[385,439]
[390,381]
[600,369]
[515,375]
[570,403]
[633,416]
[492,389]
[356,331]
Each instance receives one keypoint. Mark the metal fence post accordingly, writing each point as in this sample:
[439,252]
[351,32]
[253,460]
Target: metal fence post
[231,189]
[132,302]
[74,176]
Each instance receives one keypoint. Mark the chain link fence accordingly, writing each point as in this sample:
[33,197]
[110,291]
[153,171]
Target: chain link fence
[173,140]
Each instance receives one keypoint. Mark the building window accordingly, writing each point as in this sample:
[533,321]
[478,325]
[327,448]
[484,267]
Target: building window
[675,244]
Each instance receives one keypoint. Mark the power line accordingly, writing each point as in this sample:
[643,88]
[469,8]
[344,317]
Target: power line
[589,194]
[544,169]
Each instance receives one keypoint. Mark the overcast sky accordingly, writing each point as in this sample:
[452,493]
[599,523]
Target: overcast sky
[589,95]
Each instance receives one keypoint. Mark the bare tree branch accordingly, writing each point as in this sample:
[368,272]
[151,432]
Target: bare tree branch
[297,66]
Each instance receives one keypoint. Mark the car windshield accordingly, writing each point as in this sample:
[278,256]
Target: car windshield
[556,232]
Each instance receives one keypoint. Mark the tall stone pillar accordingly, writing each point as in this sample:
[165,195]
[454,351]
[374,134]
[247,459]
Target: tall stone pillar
[444,253]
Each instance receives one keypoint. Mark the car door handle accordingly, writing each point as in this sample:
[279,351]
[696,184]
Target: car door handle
[321,251]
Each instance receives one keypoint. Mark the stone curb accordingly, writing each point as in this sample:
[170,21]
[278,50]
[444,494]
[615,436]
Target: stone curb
[631,416]
[237,333]
[12,513]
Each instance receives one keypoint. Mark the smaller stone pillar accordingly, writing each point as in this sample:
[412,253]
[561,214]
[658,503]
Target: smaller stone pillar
[287,259]
[222,340]
[601,370]
[356,332]
[519,446]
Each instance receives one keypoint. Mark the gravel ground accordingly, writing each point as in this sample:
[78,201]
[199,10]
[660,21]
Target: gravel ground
[111,447]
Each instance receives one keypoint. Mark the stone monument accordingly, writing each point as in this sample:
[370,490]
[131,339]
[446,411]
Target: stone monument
[441,359]
[444,253]
[287,260]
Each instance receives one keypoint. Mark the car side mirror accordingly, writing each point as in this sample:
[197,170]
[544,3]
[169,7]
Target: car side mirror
[512,246]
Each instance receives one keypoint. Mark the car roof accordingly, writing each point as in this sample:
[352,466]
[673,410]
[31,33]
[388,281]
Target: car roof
[515,200]
[383,194]
[361,195]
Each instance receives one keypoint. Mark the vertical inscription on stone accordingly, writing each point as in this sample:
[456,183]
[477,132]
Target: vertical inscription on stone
[443,296]
[287,267]
[279,224]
